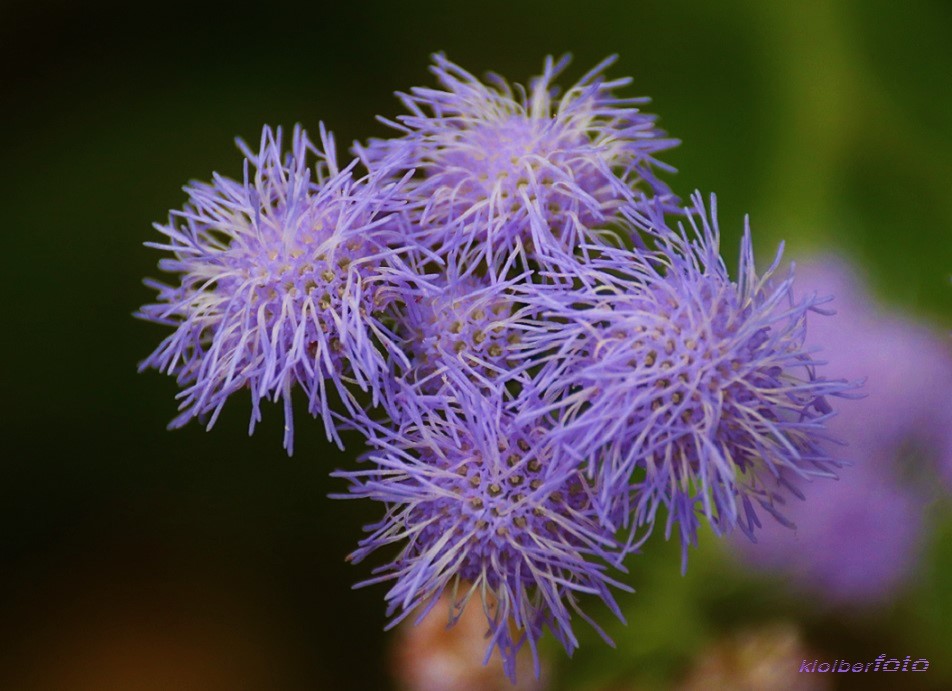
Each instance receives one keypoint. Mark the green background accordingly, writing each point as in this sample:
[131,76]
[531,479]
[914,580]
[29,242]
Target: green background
[212,559]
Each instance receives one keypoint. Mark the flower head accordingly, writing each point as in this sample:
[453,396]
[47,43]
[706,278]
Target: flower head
[694,390]
[465,328]
[481,505]
[281,278]
[857,541]
[506,170]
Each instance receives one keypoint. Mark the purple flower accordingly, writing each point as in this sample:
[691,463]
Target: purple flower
[506,171]
[693,392]
[466,324]
[908,365]
[482,506]
[857,540]
[281,278]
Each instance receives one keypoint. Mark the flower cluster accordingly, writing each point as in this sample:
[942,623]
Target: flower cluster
[555,355]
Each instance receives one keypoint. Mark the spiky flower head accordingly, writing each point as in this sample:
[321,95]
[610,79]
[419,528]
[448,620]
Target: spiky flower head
[694,390]
[281,276]
[481,505]
[506,170]
[469,325]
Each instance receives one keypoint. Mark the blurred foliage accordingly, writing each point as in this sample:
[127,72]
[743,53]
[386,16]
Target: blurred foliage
[829,122]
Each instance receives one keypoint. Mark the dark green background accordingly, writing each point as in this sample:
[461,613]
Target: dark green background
[830,122]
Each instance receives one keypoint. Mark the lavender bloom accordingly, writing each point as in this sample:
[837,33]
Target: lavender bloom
[693,391]
[465,324]
[908,365]
[857,540]
[483,506]
[507,171]
[281,281]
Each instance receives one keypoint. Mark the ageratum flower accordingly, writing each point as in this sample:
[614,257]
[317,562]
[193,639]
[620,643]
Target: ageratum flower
[466,324]
[507,170]
[281,277]
[480,505]
[695,391]
[857,542]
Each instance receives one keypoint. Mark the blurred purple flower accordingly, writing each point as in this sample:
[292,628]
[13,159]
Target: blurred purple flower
[507,171]
[281,278]
[856,540]
[907,363]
